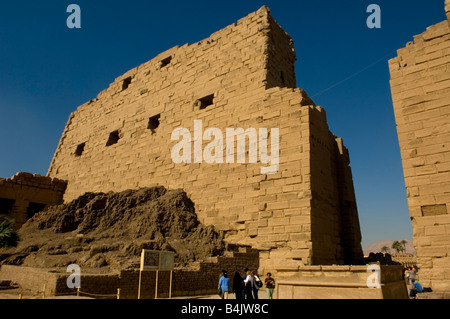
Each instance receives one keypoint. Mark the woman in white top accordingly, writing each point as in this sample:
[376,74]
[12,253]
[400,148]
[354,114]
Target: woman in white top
[251,285]
[248,283]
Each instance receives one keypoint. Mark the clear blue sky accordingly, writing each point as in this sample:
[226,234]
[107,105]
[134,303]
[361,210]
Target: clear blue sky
[47,70]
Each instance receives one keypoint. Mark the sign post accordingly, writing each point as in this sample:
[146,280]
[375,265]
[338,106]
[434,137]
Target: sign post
[153,260]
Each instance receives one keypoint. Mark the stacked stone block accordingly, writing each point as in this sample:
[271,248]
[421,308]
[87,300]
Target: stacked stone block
[420,83]
[189,282]
[201,279]
[25,194]
[341,282]
[240,77]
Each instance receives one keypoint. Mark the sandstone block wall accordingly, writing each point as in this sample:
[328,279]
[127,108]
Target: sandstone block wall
[201,280]
[190,282]
[240,77]
[25,194]
[336,236]
[341,282]
[32,281]
[420,83]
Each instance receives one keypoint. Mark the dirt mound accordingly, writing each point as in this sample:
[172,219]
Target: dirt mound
[99,230]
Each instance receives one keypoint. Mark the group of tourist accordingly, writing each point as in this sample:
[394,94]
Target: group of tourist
[409,274]
[245,286]
[411,279]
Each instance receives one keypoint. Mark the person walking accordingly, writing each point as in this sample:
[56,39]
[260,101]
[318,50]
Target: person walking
[257,284]
[244,290]
[249,284]
[238,286]
[224,285]
[270,285]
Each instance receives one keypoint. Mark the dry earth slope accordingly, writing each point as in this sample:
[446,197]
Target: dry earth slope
[108,231]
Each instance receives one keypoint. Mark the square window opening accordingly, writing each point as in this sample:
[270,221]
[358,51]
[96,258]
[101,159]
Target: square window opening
[80,150]
[126,83]
[113,138]
[153,123]
[206,101]
[6,206]
[34,208]
[166,62]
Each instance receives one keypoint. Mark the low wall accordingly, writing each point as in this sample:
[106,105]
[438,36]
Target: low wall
[201,280]
[32,280]
[406,260]
[339,282]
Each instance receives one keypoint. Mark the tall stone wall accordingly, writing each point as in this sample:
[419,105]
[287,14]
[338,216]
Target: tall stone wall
[334,236]
[420,82]
[240,77]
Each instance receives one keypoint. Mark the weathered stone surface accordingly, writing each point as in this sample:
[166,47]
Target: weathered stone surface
[242,76]
[420,84]
[341,282]
[26,194]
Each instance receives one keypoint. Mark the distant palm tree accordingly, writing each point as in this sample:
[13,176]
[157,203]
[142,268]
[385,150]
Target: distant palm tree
[404,242]
[397,246]
[385,249]
[8,236]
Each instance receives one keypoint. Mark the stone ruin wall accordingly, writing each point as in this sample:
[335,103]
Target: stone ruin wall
[200,279]
[25,194]
[307,210]
[420,82]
